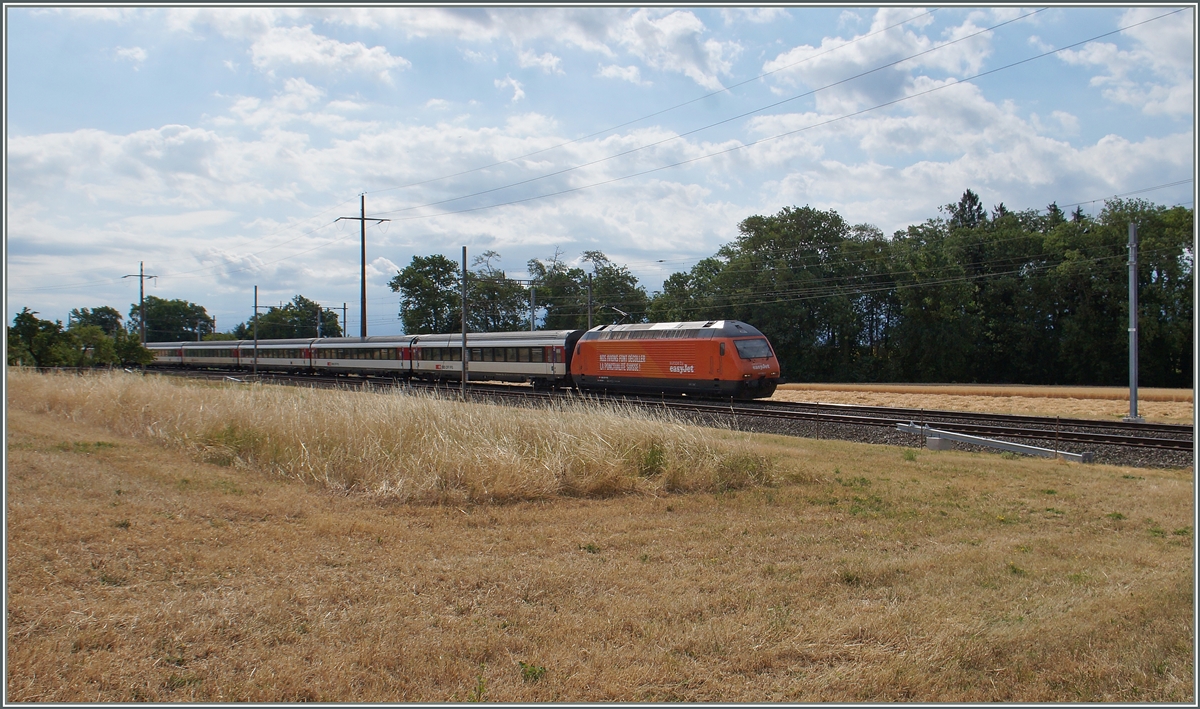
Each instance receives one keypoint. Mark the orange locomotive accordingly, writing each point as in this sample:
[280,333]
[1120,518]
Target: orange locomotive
[726,358]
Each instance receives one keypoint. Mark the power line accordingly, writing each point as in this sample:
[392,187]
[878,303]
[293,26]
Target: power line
[787,133]
[658,113]
[209,269]
[721,122]
[1126,194]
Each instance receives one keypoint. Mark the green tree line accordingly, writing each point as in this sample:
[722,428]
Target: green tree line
[430,289]
[94,338]
[999,296]
[1035,297]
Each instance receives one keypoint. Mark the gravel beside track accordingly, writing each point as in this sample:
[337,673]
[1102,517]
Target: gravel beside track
[1110,455]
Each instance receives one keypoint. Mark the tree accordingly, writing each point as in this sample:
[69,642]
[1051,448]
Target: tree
[129,349]
[968,213]
[429,295]
[170,320]
[615,291]
[40,343]
[95,348]
[496,303]
[563,292]
[297,318]
[105,317]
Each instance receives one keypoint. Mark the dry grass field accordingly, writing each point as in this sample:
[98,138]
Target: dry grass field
[1111,403]
[149,562]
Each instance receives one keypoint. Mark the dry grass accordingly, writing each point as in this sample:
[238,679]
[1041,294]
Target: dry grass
[406,446]
[135,573]
[1158,405]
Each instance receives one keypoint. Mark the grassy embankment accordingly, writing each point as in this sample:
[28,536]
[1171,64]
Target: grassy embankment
[174,541]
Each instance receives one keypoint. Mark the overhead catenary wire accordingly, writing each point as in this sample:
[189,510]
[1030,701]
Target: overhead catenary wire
[777,136]
[210,269]
[717,123]
[659,112]
[503,162]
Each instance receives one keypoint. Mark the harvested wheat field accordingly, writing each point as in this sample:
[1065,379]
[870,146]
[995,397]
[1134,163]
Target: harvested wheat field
[1107,403]
[173,541]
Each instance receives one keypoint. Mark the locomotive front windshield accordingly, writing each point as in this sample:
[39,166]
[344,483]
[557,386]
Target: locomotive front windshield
[753,349]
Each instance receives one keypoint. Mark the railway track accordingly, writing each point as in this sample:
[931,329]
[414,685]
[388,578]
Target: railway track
[1068,432]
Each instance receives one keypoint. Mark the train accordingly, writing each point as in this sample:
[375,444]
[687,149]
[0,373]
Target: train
[714,358]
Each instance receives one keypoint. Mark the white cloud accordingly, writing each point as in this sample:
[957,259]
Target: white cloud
[479,57]
[625,73]
[345,106]
[1161,49]
[674,43]
[137,55]
[182,221]
[518,92]
[286,161]
[836,59]
[300,46]
[753,15]
[546,62]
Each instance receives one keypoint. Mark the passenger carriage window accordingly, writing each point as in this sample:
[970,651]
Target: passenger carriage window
[510,354]
[455,354]
[476,354]
[487,354]
[535,354]
[523,354]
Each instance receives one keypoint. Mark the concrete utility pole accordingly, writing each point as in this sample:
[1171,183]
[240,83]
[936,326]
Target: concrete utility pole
[463,385]
[1133,327]
[532,305]
[141,276]
[256,331]
[362,220]
[589,301]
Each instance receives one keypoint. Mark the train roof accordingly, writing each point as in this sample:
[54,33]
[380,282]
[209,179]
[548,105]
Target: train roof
[513,339]
[700,329]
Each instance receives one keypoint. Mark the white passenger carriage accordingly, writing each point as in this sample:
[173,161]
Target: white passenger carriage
[220,354]
[168,354]
[538,357]
[276,355]
[384,355]
[541,358]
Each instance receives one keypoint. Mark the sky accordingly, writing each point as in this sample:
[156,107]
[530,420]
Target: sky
[219,145]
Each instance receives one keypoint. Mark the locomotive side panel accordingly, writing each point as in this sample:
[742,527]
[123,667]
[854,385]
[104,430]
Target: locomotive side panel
[674,365]
[714,358]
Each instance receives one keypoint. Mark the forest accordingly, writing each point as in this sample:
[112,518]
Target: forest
[970,296]
[973,295]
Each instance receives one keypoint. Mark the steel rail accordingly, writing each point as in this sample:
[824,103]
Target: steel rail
[842,414]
